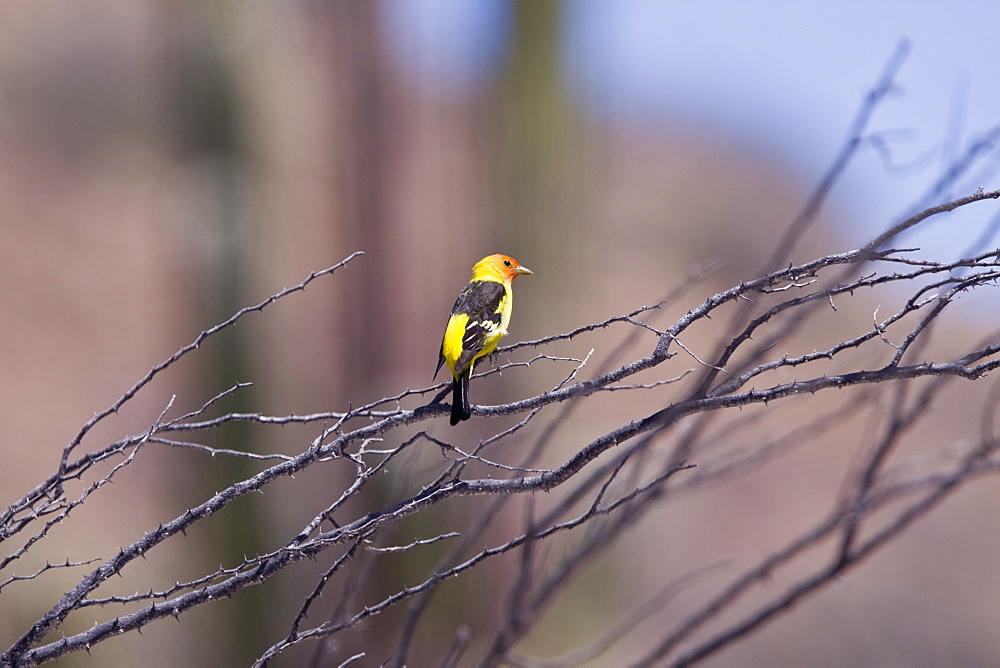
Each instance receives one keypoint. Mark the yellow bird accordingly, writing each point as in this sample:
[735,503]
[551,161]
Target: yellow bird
[478,321]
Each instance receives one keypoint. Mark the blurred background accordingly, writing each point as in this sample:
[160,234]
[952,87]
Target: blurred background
[164,164]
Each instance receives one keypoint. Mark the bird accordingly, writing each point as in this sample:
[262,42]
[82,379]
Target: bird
[478,321]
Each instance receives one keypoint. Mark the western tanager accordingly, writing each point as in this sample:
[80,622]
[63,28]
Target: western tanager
[478,321]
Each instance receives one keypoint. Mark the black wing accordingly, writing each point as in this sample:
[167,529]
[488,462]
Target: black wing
[480,300]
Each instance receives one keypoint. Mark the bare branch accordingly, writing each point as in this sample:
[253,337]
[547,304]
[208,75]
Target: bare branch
[607,459]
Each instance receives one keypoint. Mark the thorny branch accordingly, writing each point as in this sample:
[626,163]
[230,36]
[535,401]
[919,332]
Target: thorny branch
[617,501]
[681,434]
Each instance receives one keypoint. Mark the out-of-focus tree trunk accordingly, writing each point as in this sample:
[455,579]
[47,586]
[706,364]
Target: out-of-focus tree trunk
[209,133]
[538,139]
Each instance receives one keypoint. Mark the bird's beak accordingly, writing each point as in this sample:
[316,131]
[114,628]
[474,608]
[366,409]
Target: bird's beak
[523,270]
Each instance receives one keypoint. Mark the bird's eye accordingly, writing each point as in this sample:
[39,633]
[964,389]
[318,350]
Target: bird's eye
[506,263]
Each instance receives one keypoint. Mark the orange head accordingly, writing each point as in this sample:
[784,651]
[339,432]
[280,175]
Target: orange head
[498,266]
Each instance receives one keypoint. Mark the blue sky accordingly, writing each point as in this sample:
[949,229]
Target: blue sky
[782,78]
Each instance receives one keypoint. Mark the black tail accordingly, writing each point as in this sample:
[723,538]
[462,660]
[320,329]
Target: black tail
[461,409]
